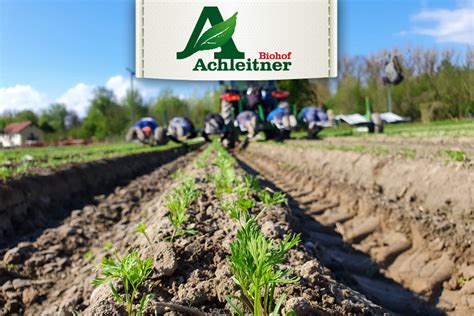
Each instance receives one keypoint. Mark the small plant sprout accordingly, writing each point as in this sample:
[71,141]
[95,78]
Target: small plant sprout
[11,267]
[141,229]
[254,261]
[248,184]
[239,210]
[177,202]
[108,246]
[456,155]
[225,181]
[188,191]
[131,271]
[407,153]
[461,280]
[89,256]
[178,174]
[202,161]
[252,183]
[267,198]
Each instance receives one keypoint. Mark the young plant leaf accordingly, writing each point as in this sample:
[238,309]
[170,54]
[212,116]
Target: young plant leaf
[217,35]
[233,306]
[278,304]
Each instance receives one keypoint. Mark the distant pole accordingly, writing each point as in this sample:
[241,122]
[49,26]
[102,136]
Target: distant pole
[389,98]
[132,74]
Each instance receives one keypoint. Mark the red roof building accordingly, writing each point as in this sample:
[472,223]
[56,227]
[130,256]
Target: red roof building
[15,128]
[21,134]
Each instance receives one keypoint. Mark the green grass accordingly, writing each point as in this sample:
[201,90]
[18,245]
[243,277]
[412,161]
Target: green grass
[407,152]
[14,162]
[438,128]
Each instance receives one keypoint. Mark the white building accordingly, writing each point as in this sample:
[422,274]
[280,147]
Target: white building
[20,134]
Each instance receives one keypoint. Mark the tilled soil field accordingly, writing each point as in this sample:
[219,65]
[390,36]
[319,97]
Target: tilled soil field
[373,241]
[431,148]
[53,274]
[381,222]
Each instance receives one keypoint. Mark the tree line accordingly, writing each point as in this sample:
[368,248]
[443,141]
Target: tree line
[109,118]
[438,85]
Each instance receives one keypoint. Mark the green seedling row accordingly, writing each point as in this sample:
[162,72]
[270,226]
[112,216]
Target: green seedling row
[254,259]
[14,162]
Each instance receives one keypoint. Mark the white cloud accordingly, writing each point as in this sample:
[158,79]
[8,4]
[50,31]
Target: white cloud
[78,98]
[450,26]
[22,97]
[120,85]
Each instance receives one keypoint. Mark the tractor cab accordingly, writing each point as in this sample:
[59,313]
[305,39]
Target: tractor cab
[259,97]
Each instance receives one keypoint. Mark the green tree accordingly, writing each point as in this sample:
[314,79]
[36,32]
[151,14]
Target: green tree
[55,116]
[168,106]
[134,106]
[203,105]
[105,118]
[6,118]
[349,97]
[26,115]
[302,92]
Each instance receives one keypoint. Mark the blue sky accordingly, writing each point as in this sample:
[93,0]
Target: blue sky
[60,50]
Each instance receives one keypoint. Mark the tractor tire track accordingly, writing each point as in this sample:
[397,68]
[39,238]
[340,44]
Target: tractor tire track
[364,239]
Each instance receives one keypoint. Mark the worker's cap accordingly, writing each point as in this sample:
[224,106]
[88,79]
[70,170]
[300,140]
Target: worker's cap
[147,130]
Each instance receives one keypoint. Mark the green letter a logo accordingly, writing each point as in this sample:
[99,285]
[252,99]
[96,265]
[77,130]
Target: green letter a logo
[219,35]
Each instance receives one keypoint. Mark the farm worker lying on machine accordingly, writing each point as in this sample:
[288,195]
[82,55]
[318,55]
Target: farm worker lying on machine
[144,130]
[316,118]
[181,128]
[247,122]
[283,120]
[214,125]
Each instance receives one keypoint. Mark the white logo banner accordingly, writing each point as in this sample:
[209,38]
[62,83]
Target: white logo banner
[236,40]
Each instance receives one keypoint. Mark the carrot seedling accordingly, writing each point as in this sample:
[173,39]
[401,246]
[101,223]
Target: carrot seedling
[177,203]
[89,256]
[239,210]
[248,184]
[254,263]
[108,246]
[141,229]
[278,198]
[131,271]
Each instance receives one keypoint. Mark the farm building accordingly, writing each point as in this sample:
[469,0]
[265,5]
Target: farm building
[20,134]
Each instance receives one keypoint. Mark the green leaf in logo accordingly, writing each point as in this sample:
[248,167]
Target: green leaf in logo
[217,35]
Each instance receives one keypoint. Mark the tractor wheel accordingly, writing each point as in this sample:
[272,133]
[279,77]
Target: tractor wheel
[378,123]
[160,136]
